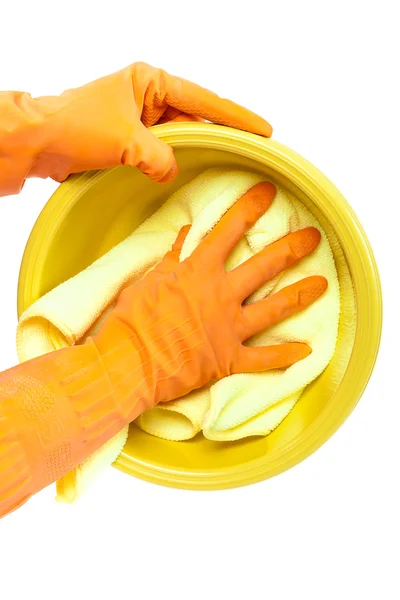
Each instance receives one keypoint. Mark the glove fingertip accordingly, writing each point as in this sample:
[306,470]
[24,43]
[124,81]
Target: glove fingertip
[170,174]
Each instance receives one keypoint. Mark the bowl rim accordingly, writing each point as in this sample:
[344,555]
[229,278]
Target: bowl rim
[363,268]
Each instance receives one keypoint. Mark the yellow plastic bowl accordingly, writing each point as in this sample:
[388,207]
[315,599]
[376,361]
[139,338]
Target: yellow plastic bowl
[92,212]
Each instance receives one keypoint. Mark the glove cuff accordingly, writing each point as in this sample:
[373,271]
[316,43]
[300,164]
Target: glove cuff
[55,411]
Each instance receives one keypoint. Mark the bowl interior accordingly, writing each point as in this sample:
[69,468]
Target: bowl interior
[101,212]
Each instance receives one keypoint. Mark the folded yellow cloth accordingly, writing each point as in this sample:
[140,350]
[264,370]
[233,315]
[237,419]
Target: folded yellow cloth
[240,405]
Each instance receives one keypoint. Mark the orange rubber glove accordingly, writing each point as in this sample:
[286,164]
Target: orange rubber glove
[103,124]
[182,326]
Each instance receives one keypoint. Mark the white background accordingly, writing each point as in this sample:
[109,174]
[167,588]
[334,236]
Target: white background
[326,75]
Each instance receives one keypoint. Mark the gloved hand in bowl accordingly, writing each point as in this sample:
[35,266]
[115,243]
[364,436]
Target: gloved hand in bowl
[182,326]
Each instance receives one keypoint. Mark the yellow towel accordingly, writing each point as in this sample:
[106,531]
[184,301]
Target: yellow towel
[240,405]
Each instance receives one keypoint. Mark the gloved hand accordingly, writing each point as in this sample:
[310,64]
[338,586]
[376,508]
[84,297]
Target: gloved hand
[103,124]
[182,326]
